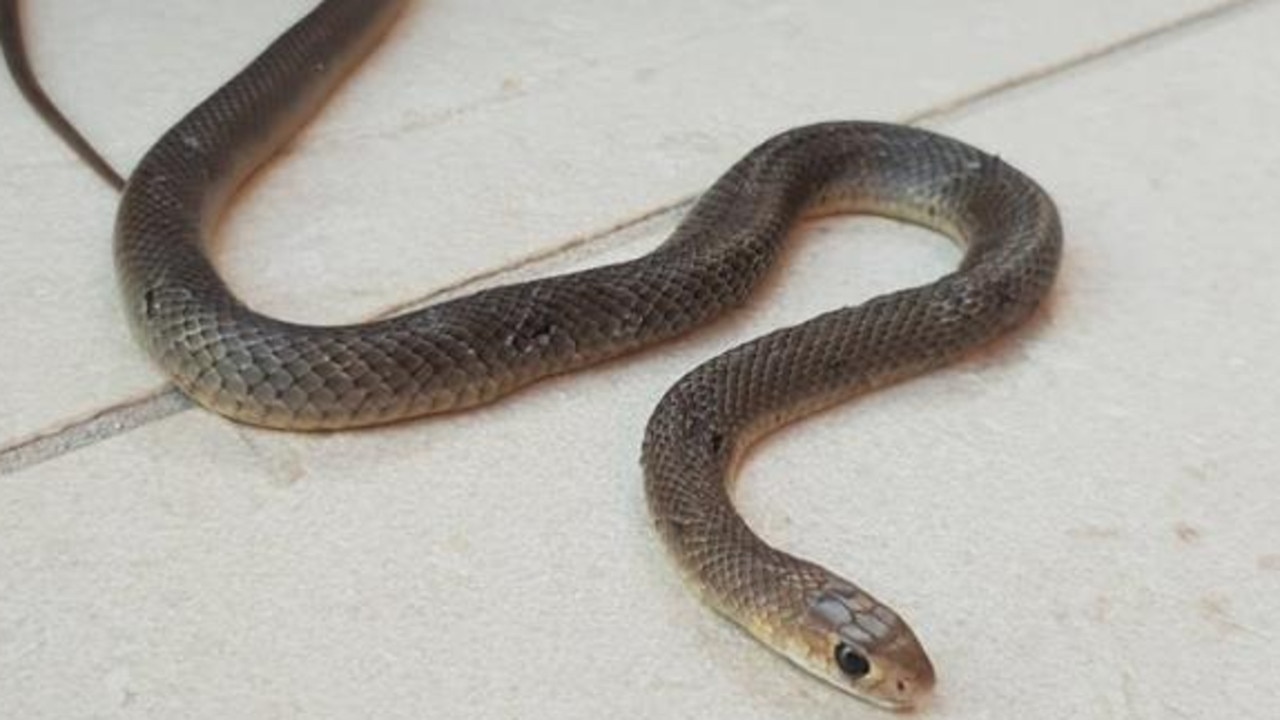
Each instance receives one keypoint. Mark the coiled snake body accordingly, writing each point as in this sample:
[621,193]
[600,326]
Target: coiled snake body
[469,351]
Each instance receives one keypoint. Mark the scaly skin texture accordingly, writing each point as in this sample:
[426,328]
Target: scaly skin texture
[702,425]
[458,354]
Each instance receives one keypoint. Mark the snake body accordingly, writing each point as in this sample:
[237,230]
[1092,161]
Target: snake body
[472,350]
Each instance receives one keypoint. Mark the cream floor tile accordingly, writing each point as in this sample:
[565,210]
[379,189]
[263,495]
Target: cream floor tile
[479,135]
[1080,523]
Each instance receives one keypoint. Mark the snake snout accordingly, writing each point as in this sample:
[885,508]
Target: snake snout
[910,686]
[906,673]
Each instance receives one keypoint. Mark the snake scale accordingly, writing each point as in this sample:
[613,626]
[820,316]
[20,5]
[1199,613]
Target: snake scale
[472,350]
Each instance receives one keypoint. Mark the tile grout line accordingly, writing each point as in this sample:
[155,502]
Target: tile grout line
[1066,65]
[136,412]
[102,424]
[654,214]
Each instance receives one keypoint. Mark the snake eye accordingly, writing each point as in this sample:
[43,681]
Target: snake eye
[853,663]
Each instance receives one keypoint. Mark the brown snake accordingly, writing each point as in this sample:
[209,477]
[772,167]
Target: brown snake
[469,351]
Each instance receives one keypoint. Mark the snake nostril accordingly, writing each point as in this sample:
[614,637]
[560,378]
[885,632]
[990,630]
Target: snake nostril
[902,686]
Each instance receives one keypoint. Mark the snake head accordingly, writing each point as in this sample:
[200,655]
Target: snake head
[862,647]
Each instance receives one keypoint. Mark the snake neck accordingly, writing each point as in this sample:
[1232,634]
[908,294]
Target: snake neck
[727,565]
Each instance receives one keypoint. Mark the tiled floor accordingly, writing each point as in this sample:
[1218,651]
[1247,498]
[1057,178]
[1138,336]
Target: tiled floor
[1083,523]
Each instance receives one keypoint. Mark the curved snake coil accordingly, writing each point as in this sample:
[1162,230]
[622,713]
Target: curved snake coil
[469,351]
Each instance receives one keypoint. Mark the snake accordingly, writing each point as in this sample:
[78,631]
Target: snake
[472,350]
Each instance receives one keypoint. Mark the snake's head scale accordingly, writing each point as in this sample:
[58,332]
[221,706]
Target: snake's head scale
[862,647]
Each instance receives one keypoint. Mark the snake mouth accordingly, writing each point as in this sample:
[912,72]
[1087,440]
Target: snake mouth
[892,704]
